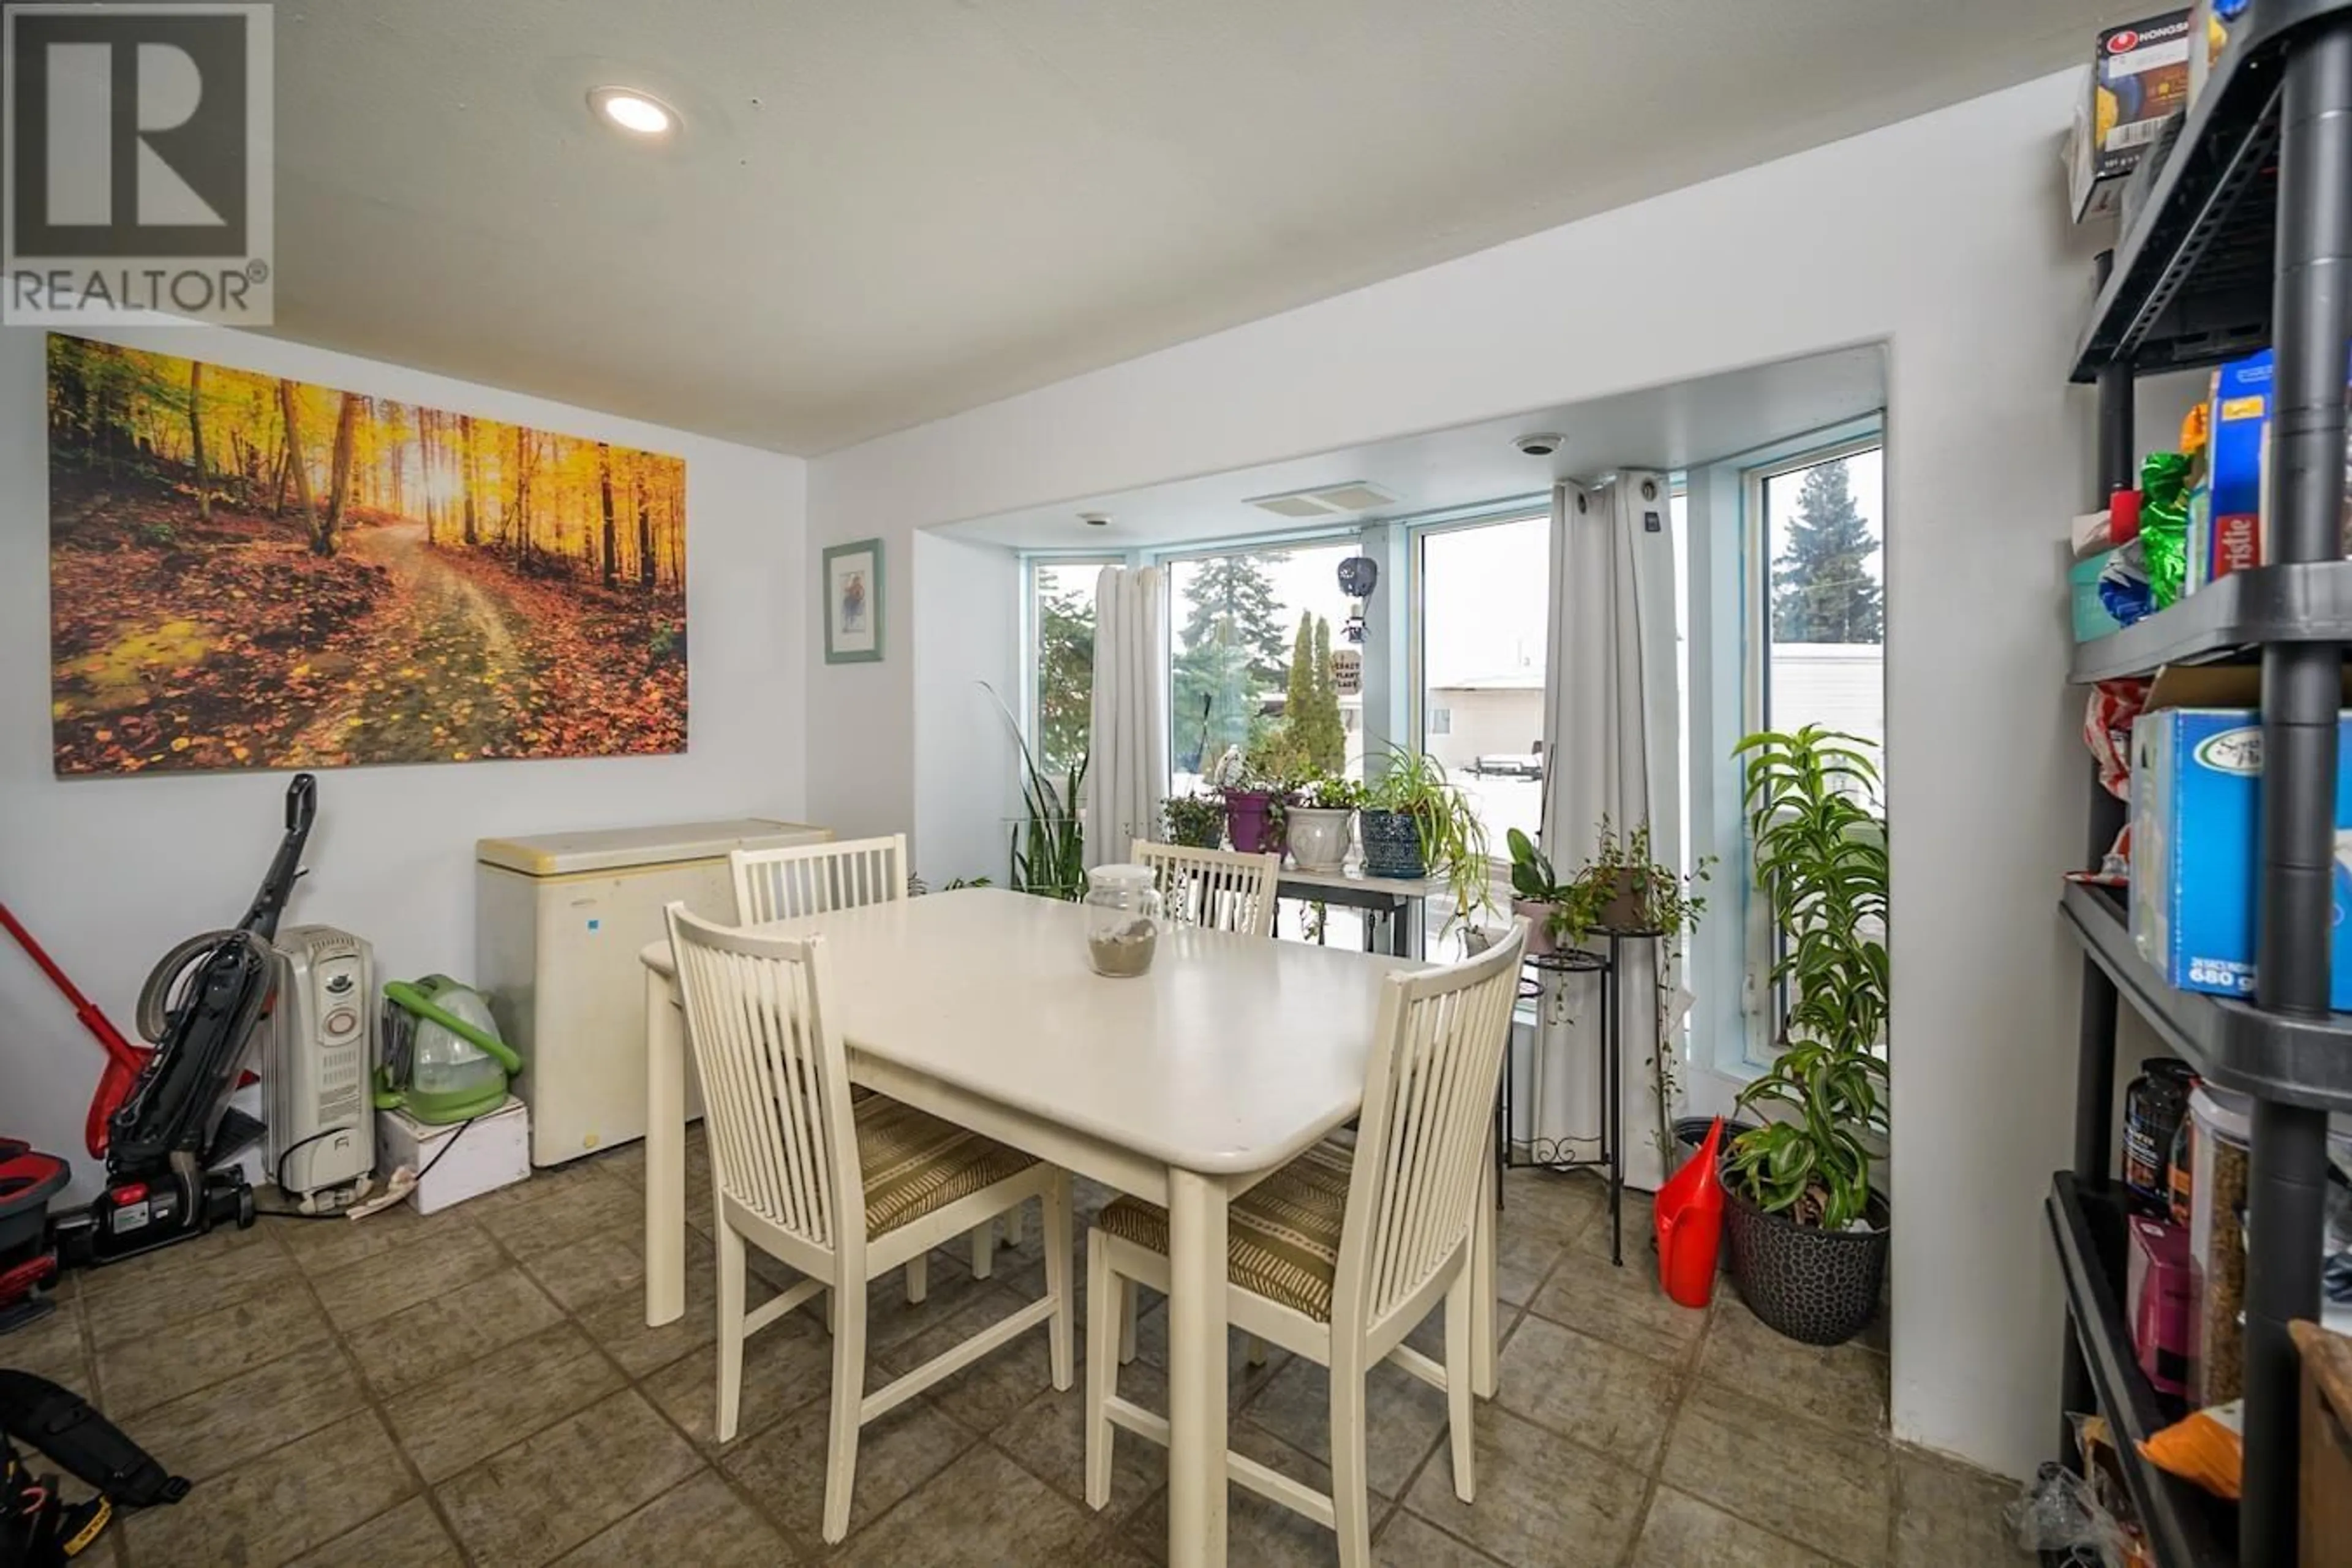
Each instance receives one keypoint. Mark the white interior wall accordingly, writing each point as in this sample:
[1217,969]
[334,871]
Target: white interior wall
[967,627]
[109,873]
[1941,237]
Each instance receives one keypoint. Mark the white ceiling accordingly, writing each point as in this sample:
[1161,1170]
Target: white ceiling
[1659,427]
[885,211]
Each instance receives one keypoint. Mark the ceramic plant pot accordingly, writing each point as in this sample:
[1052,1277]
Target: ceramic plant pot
[1819,1287]
[1249,821]
[1538,918]
[1317,838]
[1391,846]
[1624,909]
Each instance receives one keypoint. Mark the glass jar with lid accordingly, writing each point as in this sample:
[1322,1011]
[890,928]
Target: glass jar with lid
[1122,918]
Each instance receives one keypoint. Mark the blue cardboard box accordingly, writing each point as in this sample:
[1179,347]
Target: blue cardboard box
[2196,847]
[2241,429]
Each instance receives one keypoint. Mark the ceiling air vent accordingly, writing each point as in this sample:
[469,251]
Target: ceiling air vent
[1324,501]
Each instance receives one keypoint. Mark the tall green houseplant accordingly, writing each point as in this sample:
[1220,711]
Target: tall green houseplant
[1811,801]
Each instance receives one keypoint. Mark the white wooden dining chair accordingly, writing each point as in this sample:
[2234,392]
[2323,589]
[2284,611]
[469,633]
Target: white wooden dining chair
[842,1192]
[1341,1254]
[1220,889]
[813,880]
[1217,889]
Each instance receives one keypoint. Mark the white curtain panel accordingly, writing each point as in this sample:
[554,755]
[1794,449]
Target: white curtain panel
[1612,722]
[1127,771]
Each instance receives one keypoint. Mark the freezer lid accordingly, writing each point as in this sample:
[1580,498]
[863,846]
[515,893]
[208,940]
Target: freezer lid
[613,849]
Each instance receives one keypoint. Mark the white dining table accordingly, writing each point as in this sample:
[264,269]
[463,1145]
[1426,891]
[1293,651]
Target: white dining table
[1185,1086]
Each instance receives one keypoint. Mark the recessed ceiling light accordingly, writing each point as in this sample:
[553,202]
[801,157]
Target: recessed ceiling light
[1094,518]
[638,113]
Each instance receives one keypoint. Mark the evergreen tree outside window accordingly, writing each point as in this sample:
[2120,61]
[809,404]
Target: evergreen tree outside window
[1826,584]
[1241,627]
[1062,614]
[1821,576]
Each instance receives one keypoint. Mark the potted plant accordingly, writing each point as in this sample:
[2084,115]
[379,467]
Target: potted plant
[1317,820]
[1534,890]
[1257,790]
[1048,848]
[1809,1234]
[1417,823]
[1620,888]
[1196,820]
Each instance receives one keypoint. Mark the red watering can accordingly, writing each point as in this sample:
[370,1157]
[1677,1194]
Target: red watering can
[1689,1219]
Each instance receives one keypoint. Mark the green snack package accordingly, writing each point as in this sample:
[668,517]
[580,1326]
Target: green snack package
[2164,524]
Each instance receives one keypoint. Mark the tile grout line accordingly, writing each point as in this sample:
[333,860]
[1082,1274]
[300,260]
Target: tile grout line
[633,1386]
[1503,1334]
[819,1552]
[372,1400]
[1689,1385]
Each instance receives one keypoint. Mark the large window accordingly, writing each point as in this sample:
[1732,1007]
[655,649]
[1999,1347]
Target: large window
[1817,581]
[1822,592]
[1061,659]
[1253,638]
[1484,634]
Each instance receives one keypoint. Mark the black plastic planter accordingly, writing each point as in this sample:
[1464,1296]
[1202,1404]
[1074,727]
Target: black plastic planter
[1821,1287]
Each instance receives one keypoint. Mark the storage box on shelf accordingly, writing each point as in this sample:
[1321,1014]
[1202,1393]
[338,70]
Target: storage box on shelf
[2245,242]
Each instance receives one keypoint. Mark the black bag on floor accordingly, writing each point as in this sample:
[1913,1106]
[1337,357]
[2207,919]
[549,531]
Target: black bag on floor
[37,1528]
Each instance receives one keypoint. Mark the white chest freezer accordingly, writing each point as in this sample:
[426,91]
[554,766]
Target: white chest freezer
[559,922]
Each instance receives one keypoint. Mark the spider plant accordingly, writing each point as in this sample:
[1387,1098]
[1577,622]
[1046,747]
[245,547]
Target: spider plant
[1821,860]
[1453,840]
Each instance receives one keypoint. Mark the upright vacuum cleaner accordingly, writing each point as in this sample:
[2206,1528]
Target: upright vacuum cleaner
[170,1139]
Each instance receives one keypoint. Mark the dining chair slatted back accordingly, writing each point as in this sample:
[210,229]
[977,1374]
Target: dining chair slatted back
[791,1153]
[812,878]
[1390,1224]
[816,879]
[1218,889]
[775,1080]
[1425,1134]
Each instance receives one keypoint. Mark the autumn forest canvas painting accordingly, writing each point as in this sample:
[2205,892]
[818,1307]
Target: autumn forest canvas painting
[248,572]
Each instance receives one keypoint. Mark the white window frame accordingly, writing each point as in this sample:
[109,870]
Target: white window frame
[1414,628]
[1033,667]
[1760,1006]
[1168,557]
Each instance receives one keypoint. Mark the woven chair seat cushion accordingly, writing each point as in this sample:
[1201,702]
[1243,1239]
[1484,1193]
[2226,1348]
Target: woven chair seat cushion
[1282,1237]
[913,1162]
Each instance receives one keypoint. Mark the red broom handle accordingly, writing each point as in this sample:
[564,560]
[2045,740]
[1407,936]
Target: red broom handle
[96,1022]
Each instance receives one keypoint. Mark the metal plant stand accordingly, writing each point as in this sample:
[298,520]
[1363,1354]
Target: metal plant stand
[1552,1155]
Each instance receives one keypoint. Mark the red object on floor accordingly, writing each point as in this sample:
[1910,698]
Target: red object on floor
[124,1059]
[28,1180]
[1689,1219]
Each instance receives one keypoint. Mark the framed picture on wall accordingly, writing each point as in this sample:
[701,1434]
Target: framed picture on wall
[248,570]
[852,585]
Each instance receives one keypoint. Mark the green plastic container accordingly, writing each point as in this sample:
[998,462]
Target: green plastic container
[444,1061]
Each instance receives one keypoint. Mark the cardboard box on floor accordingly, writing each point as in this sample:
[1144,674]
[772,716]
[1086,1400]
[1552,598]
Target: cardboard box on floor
[488,1152]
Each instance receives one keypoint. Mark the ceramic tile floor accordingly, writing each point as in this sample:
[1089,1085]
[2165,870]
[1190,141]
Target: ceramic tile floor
[479,1387]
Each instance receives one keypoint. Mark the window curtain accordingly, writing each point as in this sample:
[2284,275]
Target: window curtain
[1611,718]
[1126,757]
